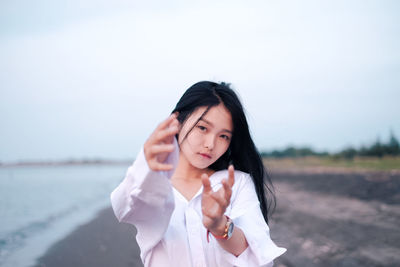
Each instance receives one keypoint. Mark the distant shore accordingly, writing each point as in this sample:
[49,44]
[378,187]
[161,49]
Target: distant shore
[66,163]
[308,164]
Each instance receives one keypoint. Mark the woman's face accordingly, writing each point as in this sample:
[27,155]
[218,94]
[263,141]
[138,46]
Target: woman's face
[210,137]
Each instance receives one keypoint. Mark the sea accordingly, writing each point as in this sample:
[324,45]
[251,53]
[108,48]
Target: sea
[40,205]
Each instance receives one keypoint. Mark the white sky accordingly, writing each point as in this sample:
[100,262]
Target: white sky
[93,79]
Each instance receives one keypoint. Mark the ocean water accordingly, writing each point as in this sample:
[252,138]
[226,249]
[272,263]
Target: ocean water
[40,205]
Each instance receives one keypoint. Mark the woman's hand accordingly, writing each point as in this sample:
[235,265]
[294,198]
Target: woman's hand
[213,204]
[160,144]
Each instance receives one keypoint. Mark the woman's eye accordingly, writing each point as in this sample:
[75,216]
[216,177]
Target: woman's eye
[202,128]
[225,137]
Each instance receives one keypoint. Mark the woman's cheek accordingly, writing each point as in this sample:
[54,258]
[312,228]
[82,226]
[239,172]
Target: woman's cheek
[195,139]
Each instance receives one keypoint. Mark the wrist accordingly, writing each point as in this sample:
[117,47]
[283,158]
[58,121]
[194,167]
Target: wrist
[227,233]
[220,227]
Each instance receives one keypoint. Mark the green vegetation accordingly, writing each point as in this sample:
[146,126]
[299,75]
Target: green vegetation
[378,149]
[378,156]
[358,163]
[292,152]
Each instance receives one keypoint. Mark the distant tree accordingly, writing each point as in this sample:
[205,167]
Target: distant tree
[393,147]
[377,149]
[348,153]
[363,151]
[293,152]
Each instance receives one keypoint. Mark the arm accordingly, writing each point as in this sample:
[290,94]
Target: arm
[246,214]
[140,190]
[214,205]
[250,244]
[236,244]
[145,198]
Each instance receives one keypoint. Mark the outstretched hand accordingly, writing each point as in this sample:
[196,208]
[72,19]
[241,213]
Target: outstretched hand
[214,204]
[160,144]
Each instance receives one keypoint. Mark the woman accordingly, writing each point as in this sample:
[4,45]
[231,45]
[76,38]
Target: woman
[189,205]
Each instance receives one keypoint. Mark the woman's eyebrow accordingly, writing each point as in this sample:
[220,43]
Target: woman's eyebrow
[211,124]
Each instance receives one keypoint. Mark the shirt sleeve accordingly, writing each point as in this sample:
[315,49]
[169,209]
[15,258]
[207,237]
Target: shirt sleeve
[246,214]
[145,199]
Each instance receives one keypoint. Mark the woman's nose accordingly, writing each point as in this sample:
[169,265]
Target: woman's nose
[209,141]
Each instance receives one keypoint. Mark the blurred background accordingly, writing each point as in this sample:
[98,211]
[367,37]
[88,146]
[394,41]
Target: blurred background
[83,84]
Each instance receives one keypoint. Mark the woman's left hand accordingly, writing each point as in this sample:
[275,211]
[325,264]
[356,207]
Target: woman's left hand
[213,204]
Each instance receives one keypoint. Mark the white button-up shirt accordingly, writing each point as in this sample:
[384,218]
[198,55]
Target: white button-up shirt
[170,231]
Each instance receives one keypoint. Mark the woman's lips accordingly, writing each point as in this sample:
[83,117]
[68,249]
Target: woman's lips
[206,155]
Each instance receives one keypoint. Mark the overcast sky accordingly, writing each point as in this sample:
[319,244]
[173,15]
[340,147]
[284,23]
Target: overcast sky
[92,79]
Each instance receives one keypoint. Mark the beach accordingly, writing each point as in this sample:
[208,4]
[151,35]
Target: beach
[322,218]
[101,242]
[337,218]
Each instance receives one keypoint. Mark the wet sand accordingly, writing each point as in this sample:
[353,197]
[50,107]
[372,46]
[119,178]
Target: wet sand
[324,219]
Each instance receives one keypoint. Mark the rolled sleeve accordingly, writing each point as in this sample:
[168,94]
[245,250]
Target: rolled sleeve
[246,214]
[145,199]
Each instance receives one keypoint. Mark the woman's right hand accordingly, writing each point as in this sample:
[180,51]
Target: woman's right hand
[160,144]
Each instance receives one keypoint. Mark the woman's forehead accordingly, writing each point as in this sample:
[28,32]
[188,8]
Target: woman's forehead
[217,116]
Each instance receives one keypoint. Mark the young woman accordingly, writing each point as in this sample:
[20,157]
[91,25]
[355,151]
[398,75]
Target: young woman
[197,191]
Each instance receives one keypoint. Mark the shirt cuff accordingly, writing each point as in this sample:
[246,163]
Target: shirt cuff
[261,250]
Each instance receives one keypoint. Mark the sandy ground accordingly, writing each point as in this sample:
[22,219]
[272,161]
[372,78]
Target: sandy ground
[337,219]
[102,242]
[323,218]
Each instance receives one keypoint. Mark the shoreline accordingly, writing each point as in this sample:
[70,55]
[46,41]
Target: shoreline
[66,163]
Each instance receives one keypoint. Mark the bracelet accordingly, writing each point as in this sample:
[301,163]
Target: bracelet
[227,231]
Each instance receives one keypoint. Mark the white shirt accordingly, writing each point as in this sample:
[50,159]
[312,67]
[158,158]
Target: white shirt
[170,231]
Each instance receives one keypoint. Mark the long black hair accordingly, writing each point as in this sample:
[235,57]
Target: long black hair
[242,152]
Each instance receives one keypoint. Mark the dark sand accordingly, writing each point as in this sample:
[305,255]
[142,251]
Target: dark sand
[101,242]
[337,219]
[324,219]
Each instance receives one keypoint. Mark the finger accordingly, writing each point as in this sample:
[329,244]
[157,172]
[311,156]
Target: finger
[231,177]
[167,121]
[175,122]
[206,183]
[227,190]
[163,125]
[221,204]
[156,149]
[157,166]
[162,135]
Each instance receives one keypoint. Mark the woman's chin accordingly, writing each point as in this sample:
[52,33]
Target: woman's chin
[201,165]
